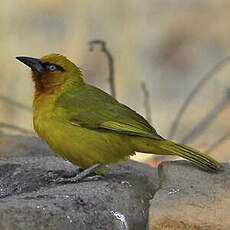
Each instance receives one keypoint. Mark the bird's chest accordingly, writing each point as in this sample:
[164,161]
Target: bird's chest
[43,113]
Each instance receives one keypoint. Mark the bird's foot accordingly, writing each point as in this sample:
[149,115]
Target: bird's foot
[84,175]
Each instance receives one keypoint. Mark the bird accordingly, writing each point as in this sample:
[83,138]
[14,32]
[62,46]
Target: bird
[87,126]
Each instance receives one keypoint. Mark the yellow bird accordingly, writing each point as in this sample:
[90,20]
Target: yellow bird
[89,127]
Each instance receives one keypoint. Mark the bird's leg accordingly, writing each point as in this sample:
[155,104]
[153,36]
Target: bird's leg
[82,175]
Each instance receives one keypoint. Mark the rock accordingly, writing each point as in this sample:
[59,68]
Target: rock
[185,197]
[18,145]
[32,199]
[190,198]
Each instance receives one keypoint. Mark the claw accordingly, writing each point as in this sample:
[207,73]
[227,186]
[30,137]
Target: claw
[82,176]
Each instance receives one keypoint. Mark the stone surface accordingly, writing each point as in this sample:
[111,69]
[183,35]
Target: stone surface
[30,197]
[184,197]
[18,145]
[190,198]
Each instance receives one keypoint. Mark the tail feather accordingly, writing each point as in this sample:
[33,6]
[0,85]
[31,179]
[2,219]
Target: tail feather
[201,160]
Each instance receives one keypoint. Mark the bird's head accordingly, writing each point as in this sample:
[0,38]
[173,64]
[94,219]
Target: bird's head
[52,71]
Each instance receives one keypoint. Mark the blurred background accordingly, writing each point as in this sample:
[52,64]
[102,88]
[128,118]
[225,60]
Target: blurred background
[169,45]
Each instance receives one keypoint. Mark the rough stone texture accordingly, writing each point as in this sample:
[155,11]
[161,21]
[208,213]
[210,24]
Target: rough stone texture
[190,198]
[30,197]
[18,145]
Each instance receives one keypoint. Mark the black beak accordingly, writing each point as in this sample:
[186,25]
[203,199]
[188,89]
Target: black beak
[34,63]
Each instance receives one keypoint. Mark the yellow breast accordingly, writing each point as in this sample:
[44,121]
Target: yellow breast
[43,111]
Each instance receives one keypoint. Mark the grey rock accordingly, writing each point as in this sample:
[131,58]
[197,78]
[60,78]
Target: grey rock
[190,198]
[32,199]
[18,145]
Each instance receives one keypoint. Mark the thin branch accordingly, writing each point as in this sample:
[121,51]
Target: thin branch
[147,106]
[217,143]
[209,118]
[192,94]
[15,103]
[110,63]
[203,125]
[14,127]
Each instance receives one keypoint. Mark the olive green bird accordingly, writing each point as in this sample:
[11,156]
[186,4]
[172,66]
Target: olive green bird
[87,126]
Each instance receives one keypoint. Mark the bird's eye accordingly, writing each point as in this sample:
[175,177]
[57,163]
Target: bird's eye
[51,67]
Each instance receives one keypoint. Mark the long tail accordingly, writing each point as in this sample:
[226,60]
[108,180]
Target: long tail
[201,160]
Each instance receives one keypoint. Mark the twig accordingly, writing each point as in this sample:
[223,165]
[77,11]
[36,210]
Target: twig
[14,127]
[217,143]
[209,118]
[15,103]
[147,107]
[190,97]
[110,63]
[203,125]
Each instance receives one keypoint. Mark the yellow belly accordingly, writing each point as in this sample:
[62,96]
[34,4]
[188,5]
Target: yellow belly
[81,146]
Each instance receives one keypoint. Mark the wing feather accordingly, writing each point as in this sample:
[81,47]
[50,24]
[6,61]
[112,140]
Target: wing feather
[92,108]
